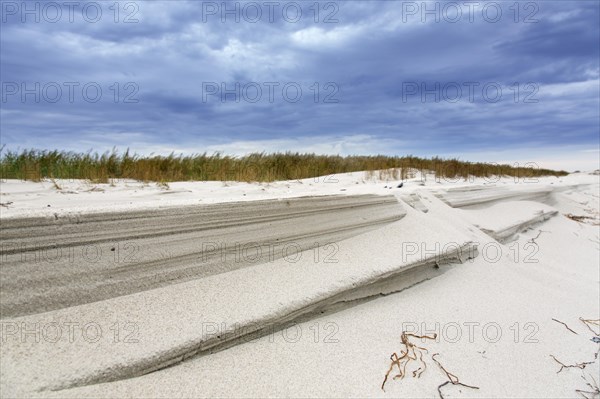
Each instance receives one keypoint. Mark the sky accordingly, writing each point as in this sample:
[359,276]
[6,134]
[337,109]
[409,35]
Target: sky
[487,81]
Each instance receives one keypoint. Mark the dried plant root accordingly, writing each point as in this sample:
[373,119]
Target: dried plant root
[413,352]
[410,352]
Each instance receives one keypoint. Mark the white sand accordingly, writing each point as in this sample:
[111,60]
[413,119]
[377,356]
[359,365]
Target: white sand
[515,288]
[30,199]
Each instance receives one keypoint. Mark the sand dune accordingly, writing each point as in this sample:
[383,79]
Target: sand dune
[199,333]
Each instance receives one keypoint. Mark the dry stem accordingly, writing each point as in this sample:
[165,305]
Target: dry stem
[566,326]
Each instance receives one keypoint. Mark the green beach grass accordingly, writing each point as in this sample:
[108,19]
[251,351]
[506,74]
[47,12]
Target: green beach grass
[36,165]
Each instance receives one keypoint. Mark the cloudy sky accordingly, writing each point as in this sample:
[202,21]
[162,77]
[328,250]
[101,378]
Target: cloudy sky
[483,81]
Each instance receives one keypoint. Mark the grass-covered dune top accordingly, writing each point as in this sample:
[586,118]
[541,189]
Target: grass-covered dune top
[38,164]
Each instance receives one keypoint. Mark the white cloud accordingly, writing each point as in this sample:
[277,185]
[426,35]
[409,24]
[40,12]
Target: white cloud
[316,37]
[561,16]
[569,158]
[347,145]
[572,88]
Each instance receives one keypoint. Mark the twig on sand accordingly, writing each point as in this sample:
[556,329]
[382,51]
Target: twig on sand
[410,352]
[538,236]
[452,379]
[450,382]
[594,386]
[565,366]
[566,326]
[589,323]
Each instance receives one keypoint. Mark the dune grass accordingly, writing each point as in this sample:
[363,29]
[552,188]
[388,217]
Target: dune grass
[36,165]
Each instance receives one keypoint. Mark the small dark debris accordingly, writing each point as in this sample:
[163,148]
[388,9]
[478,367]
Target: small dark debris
[400,185]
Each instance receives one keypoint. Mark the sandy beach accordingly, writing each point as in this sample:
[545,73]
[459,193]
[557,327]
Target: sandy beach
[300,288]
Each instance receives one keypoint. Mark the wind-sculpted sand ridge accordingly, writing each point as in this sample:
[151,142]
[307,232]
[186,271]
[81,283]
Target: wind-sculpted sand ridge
[170,322]
[71,229]
[503,221]
[475,195]
[415,201]
[52,263]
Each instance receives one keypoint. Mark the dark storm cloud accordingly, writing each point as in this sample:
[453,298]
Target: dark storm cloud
[375,63]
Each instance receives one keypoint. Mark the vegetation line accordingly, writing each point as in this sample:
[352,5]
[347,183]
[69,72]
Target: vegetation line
[261,167]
